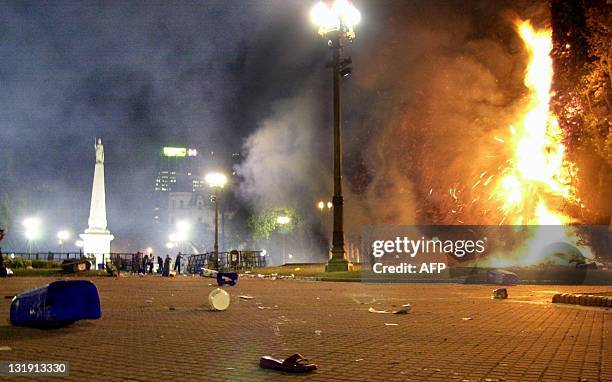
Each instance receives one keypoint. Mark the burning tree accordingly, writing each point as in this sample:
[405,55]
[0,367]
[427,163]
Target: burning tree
[582,38]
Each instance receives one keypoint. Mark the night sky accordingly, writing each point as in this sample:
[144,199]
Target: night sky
[226,76]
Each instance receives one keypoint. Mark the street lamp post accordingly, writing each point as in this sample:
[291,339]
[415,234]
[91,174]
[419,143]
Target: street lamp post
[216,181]
[336,24]
[32,231]
[63,235]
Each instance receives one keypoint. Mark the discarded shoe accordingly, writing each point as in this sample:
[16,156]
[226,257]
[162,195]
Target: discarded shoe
[293,364]
[227,278]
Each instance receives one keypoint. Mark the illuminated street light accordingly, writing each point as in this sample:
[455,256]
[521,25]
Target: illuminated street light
[32,231]
[183,226]
[321,205]
[282,220]
[79,243]
[63,235]
[169,245]
[216,180]
[337,24]
[149,250]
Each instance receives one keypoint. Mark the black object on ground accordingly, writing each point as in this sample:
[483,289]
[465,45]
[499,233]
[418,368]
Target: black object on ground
[501,293]
[224,278]
[293,364]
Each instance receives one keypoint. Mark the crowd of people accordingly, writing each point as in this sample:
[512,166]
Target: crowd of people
[146,264]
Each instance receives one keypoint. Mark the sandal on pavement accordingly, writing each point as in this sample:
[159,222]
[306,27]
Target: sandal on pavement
[293,364]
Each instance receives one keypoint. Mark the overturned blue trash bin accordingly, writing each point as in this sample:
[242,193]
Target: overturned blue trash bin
[57,304]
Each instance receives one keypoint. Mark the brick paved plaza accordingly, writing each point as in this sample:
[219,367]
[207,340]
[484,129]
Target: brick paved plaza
[154,328]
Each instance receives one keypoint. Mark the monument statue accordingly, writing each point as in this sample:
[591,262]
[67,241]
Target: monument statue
[99,151]
[97,238]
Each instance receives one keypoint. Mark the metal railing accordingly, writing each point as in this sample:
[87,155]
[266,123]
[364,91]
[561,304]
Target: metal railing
[132,262]
[226,261]
[48,256]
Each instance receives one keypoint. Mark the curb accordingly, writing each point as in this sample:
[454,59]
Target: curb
[582,299]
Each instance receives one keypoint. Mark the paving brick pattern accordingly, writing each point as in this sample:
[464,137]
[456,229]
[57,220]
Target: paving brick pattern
[154,328]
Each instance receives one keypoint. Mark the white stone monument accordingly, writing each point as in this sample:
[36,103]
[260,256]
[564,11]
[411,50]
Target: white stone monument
[96,239]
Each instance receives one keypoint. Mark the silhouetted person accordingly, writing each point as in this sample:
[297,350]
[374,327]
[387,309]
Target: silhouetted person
[143,268]
[3,272]
[160,264]
[150,264]
[177,264]
[166,266]
[137,262]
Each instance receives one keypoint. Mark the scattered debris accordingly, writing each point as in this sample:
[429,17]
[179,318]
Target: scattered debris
[359,360]
[263,307]
[500,294]
[388,324]
[171,308]
[293,364]
[219,299]
[245,297]
[318,332]
[297,269]
[467,318]
[5,348]
[502,277]
[205,272]
[405,309]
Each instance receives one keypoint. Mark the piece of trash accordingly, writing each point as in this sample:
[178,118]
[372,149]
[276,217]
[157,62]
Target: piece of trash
[500,294]
[171,308]
[204,272]
[297,269]
[318,332]
[149,301]
[405,309]
[359,360]
[57,304]
[5,348]
[467,318]
[245,297]
[293,364]
[389,324]
[227,278]
[219,299]
[263,307]
[230,368]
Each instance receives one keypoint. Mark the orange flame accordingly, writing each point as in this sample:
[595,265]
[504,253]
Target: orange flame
[538,171]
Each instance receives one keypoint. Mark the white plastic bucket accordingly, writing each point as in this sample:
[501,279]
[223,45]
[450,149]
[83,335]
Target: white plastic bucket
[218,299]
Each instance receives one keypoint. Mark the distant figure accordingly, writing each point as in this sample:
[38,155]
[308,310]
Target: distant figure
[150,264]
[143,268]
[3,272]
[177,264]
[136,262]
[160,265]
[166,266]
